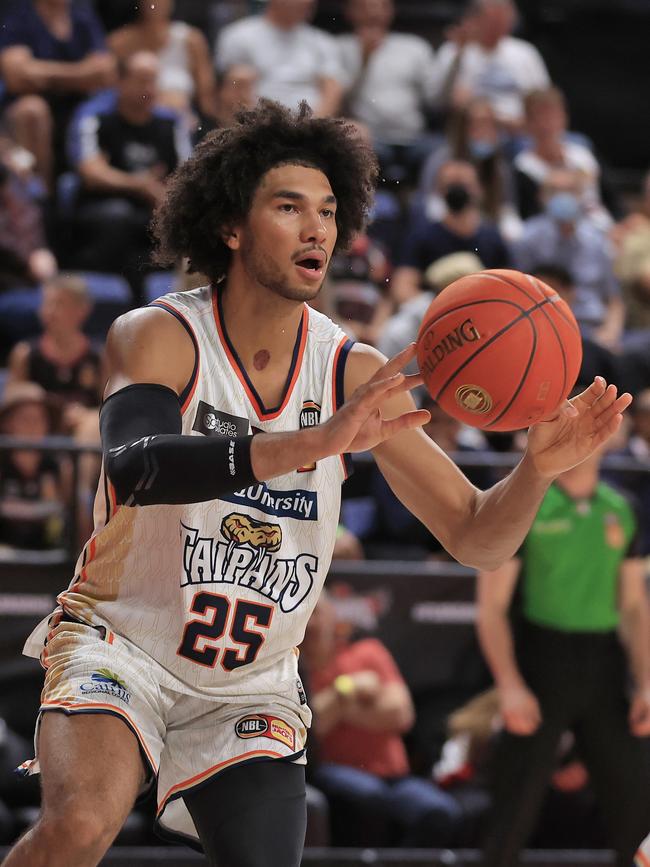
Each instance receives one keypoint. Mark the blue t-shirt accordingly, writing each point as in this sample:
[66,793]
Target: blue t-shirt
[427,241]
[24,26]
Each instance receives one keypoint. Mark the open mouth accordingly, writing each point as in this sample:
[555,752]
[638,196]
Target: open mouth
[310,264]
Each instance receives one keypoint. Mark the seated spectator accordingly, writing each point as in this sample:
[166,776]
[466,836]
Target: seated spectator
[25,258]
[482,59]
[389,78]
[638,484]
[390,526]
[551,148]
[564,236]
[185,78]
[597,360]
[31,485]
[52,55]
[294,61]
[127,151]
[236,90]
[69,367]
[631,237]
[462,228]
[62,361]
[474,137]
[361,707]
[403,326]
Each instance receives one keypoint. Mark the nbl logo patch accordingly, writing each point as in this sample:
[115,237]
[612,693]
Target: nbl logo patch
[214,422]
[265,726]
[309,417]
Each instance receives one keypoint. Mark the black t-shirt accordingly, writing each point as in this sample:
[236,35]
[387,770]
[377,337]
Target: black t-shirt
[78,382]
[427,241]
[26,520]
[136,147]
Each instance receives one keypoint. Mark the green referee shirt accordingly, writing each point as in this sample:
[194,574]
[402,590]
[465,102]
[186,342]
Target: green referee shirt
[571,560]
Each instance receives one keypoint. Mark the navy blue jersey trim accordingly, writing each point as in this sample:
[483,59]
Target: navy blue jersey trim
[339,392]
[190,384]
[294,361]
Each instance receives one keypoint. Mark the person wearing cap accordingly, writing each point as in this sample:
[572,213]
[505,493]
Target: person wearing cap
[31,483]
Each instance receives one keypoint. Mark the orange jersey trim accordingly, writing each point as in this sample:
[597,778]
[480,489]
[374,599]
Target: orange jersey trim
[73,706]
[204,775]
[262,413]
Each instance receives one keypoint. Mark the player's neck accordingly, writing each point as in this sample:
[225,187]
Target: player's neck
[579,484]
[257,319]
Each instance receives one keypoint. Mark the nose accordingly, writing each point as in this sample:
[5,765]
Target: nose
[314,228]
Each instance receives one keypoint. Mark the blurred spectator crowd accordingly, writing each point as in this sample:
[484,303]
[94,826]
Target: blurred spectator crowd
[480,168]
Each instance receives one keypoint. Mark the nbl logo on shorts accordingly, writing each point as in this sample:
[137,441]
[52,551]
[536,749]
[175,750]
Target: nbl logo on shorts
[214,422]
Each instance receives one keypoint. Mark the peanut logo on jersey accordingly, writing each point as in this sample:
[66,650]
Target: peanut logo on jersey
[265,726]
[214,422]
[299,504]
[246,558]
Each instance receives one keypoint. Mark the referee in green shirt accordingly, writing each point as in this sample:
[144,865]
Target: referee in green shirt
[580,663]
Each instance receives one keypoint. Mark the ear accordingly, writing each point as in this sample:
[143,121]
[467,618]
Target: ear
[230,235]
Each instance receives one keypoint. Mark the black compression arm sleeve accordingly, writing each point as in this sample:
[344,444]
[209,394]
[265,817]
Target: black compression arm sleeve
[150,462]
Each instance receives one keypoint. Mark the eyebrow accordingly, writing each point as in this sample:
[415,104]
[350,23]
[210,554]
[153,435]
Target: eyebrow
[299,197]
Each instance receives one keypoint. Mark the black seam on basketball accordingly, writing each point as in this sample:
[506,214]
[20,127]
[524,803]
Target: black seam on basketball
[521,381]
[524,315]
[552,324]
[425,325]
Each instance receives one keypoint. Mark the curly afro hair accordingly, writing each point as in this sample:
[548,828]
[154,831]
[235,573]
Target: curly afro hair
[216,186]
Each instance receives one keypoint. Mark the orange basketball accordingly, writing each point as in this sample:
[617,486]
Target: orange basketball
[499,350]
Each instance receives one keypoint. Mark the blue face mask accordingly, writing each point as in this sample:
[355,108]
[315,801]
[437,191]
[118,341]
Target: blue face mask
[563,207]
[481,149]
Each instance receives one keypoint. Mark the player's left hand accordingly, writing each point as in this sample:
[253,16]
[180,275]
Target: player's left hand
[639,716]
[581,426]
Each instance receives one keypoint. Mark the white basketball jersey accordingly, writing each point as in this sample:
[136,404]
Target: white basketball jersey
[219,593]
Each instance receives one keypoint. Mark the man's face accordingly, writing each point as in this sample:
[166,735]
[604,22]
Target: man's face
[370,13]
[292,12]
[547,118]
[462,174]
[62,311]
[139,85]
[29,420]
[287,240]
[496,19]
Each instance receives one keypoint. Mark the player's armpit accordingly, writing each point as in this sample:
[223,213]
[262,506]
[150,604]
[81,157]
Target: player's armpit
[149,461]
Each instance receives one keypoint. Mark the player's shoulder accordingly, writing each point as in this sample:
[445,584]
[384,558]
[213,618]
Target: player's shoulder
[146,328]
[362,363]
[616,499]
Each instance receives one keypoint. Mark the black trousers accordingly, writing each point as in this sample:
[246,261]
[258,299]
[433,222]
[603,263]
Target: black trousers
[252,815]
[580,680]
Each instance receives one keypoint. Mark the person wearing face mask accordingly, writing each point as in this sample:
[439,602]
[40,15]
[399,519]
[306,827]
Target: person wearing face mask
[461,228]
[473,134]
[563,235]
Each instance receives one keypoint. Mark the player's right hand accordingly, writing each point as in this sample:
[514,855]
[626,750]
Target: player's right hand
[520,710]
[359,425]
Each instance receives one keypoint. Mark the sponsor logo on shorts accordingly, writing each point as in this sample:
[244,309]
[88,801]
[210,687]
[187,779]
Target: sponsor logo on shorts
[473,398]
[263,725]
[105,682]
[214,422]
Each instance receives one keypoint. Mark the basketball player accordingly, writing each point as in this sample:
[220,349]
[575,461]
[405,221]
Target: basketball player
[228,415]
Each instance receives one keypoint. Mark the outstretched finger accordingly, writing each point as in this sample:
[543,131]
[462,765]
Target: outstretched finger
[590,395]
[617,407]
[406,421]
[397,362]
